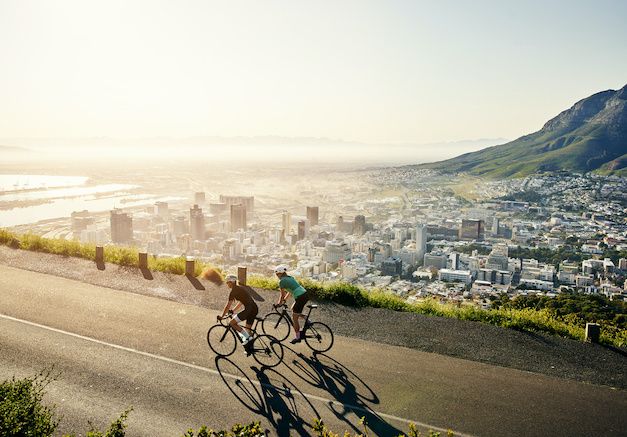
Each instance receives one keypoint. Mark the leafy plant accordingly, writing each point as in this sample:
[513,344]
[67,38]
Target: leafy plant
[237,430]
[22,412]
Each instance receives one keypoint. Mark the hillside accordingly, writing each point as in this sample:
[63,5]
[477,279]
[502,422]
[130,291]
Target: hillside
[536,352]
[590,136]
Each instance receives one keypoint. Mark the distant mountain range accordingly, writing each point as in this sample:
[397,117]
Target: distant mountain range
[590,136]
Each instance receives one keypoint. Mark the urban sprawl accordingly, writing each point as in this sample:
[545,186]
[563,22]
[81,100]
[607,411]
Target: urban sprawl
[411,232]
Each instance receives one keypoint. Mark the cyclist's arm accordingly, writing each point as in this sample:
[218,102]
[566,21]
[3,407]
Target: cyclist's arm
[226,307]
[284,295]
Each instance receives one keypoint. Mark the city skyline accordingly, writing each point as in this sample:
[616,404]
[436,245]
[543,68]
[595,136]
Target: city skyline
[400,72]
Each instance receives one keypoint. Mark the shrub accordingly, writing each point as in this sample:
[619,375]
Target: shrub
[123,256]
[21,410]
[250,430]
[263,282]
[167,265]
[9,239]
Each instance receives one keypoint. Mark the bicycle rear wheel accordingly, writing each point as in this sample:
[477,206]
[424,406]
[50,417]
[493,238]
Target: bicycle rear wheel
[221,340]
[267,350]
[319,337]
[276,325]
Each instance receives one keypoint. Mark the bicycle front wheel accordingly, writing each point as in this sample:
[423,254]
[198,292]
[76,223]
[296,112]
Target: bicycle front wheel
[319,337]
[267,350]
[221,340]
[276,325]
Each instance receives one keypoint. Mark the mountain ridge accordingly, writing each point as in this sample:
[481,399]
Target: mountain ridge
[589,136]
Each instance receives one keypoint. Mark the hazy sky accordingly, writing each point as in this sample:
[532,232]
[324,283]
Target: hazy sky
[371,71]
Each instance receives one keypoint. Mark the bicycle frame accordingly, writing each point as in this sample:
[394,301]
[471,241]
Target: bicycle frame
[231,316]
[288,317]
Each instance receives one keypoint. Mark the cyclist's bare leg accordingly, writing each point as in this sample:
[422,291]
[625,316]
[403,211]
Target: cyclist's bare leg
[236,326]
[249,328]
[295,321]
[239,327]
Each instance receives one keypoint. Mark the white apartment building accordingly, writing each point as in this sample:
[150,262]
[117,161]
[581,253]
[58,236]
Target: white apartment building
[455,276]
[334,251]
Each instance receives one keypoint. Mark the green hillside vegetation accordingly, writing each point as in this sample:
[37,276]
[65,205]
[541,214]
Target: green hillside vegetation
[590,136]
[544,320]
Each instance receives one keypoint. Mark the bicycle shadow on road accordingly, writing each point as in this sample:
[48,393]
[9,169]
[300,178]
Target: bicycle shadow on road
[272,396]
[351,393]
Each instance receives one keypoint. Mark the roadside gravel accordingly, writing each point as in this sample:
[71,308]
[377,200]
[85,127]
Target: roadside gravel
[549,355]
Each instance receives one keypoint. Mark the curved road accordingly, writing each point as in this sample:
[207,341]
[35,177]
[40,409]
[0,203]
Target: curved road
[114,349]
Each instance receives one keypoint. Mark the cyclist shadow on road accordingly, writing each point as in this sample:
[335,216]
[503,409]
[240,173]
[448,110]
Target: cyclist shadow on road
[350,393]
[272,396]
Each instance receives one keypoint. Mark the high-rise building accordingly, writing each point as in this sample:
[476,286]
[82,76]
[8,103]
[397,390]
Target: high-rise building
[92,235]
[312,215]
[437,260]
[247,201]
[421,240]
[498,258]
[392,266]
[199,198]
[163,210]
[180,226]
[495,226]
[302,229]
[196,223]
[335,251]
[121,226]
[359,226]
[622,264]
[238,217]
[471,230]
[286,223]
[230,249]
[80,221]
[218,208]
[454,258]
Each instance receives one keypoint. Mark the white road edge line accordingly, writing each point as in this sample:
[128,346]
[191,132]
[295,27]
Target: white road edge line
[231,376]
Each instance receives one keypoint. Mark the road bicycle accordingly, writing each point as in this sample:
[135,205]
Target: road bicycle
[278,324]
[265,349]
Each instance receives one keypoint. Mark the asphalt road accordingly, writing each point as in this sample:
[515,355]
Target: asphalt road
[115,349]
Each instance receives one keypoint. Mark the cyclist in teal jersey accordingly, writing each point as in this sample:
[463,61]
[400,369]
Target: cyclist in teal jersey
[288,285]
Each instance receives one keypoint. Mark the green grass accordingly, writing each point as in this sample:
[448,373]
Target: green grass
[544,320]
[123,256]
[524,319]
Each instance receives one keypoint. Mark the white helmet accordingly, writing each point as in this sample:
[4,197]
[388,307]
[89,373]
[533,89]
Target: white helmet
[231,278]
[280,269]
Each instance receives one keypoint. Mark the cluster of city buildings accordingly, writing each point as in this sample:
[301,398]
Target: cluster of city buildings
[421,240]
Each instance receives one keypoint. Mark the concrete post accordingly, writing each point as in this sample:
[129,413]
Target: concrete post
[143,260]
[190,266]
[241,275]
[99,255]
[593,332]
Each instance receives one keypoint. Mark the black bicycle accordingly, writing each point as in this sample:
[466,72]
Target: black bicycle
[265,349]
[278,324]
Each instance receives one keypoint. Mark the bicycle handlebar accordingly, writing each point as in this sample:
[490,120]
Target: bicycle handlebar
[229,315]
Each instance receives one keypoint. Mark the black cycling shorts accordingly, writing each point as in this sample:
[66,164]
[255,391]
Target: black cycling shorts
[248,314]
[299,303]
